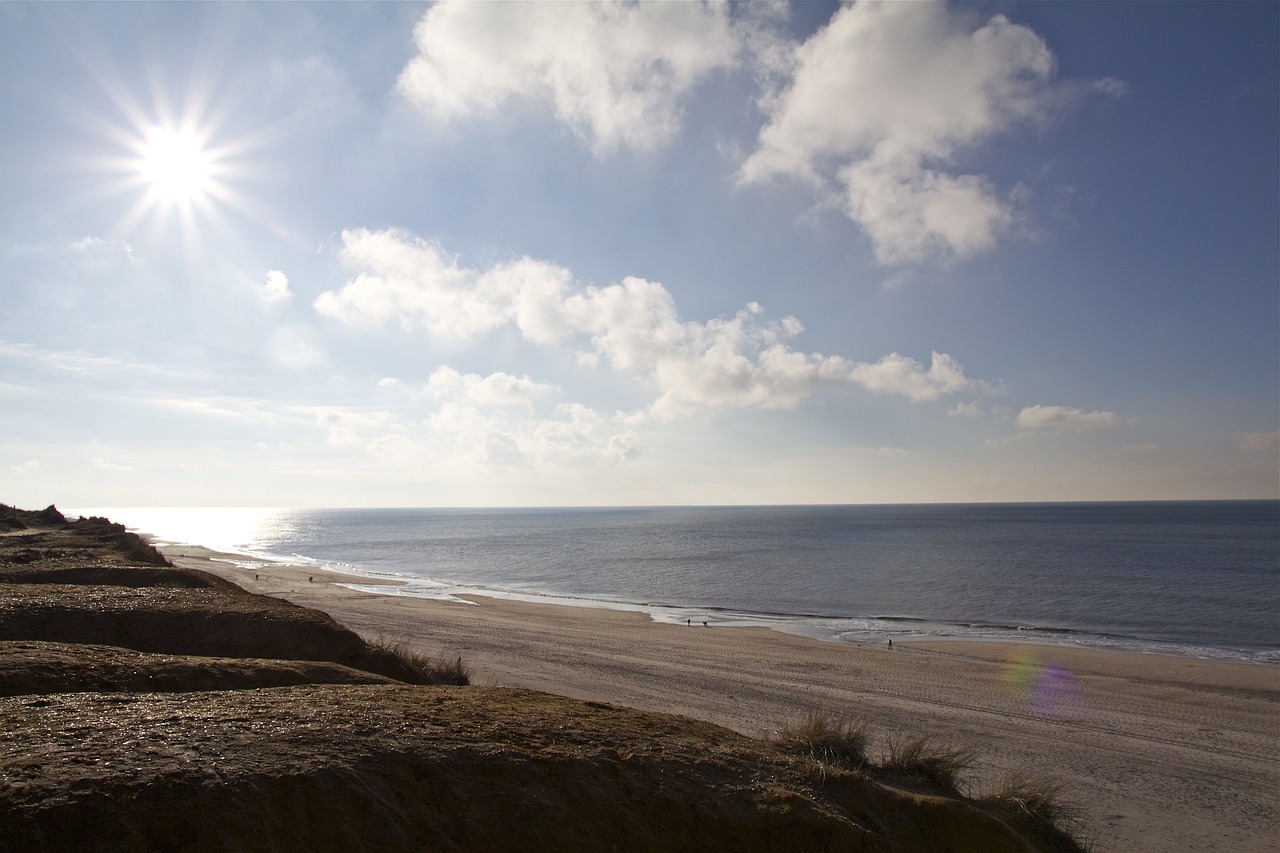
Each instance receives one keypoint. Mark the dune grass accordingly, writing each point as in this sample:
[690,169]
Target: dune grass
[427,669]
[1036,803]
[438,670]
[1032,802]
[832,738]
[927,759]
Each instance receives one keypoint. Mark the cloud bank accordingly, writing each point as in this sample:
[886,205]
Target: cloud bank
[632,327]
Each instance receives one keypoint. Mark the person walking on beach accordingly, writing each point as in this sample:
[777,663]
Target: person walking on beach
[890,643]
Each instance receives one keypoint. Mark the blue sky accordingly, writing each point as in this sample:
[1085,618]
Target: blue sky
[575,254]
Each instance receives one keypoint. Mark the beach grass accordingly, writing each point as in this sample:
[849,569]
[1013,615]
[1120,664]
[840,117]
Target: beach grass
[428,669]
[831,737]
[927,759]
[837,739]
[1036,802]
[1032,801]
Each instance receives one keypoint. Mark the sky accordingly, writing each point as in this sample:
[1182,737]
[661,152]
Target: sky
[575,254]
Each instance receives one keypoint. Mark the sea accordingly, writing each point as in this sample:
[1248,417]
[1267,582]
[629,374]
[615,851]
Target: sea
[1189,578]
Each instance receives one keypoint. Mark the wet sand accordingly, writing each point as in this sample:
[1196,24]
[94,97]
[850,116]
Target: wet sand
[1160,753]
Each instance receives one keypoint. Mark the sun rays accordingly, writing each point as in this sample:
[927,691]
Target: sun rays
[181,165]
[181,178]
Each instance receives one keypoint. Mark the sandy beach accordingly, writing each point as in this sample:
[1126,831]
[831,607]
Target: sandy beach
[1159,753]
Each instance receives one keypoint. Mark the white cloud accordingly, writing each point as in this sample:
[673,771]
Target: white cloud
[897,374]
[104,465]
[340,425]
[572,434]
[912,213]
[238,409]
[96,246]
[496,389]
[616,73]
[1066,419]
[1258,440]
[412,282]
[275,288]
[632,327]
[738,362]
[881,101]
[965,410]
[482,422]
[98,367]
[887,452]
[345,426]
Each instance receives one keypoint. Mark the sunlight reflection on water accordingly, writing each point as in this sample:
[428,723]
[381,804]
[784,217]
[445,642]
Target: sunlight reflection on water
[233,529]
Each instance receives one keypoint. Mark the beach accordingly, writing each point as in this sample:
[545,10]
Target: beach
[1159,753]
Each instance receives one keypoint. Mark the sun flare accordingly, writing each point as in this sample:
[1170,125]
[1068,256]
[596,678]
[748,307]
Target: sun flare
[175,167]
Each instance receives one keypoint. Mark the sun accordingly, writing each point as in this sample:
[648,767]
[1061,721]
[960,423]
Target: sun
[181,176]
[175,167]
[181,165]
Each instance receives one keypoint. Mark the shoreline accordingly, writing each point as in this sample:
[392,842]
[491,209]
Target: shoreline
[1159,752]
[1138,614]
[798,626]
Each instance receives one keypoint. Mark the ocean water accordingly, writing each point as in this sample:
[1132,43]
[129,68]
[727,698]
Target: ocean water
[1198,578]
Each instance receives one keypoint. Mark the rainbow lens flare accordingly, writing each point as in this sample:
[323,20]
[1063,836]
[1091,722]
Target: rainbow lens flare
[1050,690]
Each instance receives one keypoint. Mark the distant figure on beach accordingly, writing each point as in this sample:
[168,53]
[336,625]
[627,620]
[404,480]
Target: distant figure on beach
[689,622]
[705,625]
[312,579]
[891,644]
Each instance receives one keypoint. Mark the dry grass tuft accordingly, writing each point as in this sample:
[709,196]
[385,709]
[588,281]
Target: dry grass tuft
[832,738]
[425,668]
[1029,801]
[927,759]
[1036,803]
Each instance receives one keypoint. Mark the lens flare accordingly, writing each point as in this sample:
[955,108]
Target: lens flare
[1050,690]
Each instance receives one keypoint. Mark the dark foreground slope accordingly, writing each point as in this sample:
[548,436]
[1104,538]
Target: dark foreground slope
[432,768]
[91,763]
